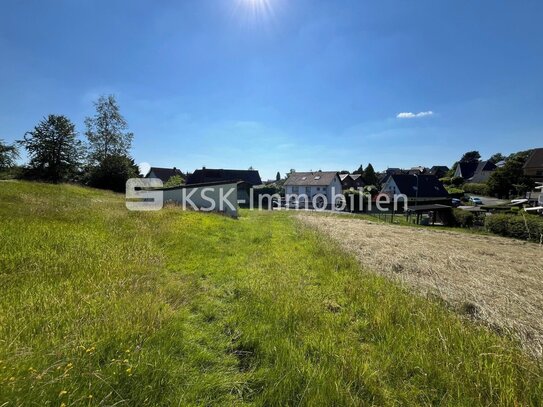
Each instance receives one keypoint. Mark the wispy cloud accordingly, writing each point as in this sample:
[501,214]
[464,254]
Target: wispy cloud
[410,115]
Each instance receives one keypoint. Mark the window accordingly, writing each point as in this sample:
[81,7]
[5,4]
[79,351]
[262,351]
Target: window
[294,190]
[304,178]
[318,177]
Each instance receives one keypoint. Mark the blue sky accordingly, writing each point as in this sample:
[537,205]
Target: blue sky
[279,84]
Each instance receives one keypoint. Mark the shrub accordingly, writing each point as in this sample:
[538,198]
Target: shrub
[463,218]
[522,226]
[174,181]
[457,181]
[455,192]
[446,180]
[478,189]
[359,200]
[113,173]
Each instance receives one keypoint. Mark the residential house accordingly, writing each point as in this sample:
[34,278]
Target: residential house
[247,178]
[349,181]
[164,174]
[475,171]
[302,186]
[533,167]
[418,188]
[417,170]
[438,170]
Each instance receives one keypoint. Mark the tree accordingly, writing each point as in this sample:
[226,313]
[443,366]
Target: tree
[174,181]
[278,176]
[360,170]
[292,171]
[106,131]
[510,178]
[470,157]
[8,155]
[113,172]
[55,152]
[370,178]
[496,158]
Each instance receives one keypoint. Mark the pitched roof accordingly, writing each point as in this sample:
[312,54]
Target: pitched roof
[354,177]
[478,175]
[535,159]
[164,174]
[438,168]
[428,185]
[251,177]
[468,169]
[311,178]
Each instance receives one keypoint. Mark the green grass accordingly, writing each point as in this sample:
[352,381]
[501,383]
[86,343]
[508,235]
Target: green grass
[102,306]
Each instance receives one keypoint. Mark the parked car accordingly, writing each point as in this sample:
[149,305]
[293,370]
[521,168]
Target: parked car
[475,200]
[456,202]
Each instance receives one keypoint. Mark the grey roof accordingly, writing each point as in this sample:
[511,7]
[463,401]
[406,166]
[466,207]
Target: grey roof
[311,178]
[164,173]
[251,177]
[428,186]
[535,159]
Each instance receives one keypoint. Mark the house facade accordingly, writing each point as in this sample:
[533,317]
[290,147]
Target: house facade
[349,181]
[305,186]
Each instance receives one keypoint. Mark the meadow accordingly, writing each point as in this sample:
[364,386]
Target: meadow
[102,306]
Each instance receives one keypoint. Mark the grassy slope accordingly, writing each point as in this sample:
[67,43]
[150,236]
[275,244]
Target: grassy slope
[102,305]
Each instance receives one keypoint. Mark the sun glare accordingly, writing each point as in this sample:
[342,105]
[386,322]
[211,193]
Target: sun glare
[254,11]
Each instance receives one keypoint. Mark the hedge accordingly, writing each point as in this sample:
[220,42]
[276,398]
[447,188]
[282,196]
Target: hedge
[522,226]
[463,218]
[478,189]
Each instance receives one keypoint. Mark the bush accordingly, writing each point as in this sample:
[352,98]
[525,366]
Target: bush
[457,181]
[445,180]
[463,218]
[359,200]
[522,226]
[455,192]
[112,173]
[477,189]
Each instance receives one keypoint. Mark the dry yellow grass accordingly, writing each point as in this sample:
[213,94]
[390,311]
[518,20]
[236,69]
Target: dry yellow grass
[495,279]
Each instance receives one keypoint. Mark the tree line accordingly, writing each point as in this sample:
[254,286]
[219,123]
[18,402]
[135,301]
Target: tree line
[507,180]
[57,154]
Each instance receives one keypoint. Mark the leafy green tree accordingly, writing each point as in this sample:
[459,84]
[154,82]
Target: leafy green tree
[370,178]
[8,155]
[278,176]
[174,181]
[510,179]
[113,172]
[106,131]
[470,156]
[54,150]
[496,158]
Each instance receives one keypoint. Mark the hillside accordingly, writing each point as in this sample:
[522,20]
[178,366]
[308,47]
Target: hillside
[102,306]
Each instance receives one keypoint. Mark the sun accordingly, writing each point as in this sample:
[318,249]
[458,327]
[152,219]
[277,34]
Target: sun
[255,11]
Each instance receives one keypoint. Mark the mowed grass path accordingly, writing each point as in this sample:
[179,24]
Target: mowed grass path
[102,306]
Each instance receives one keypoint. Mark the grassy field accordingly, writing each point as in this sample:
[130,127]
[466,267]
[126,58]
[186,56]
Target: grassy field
[493,279]
[101,306]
